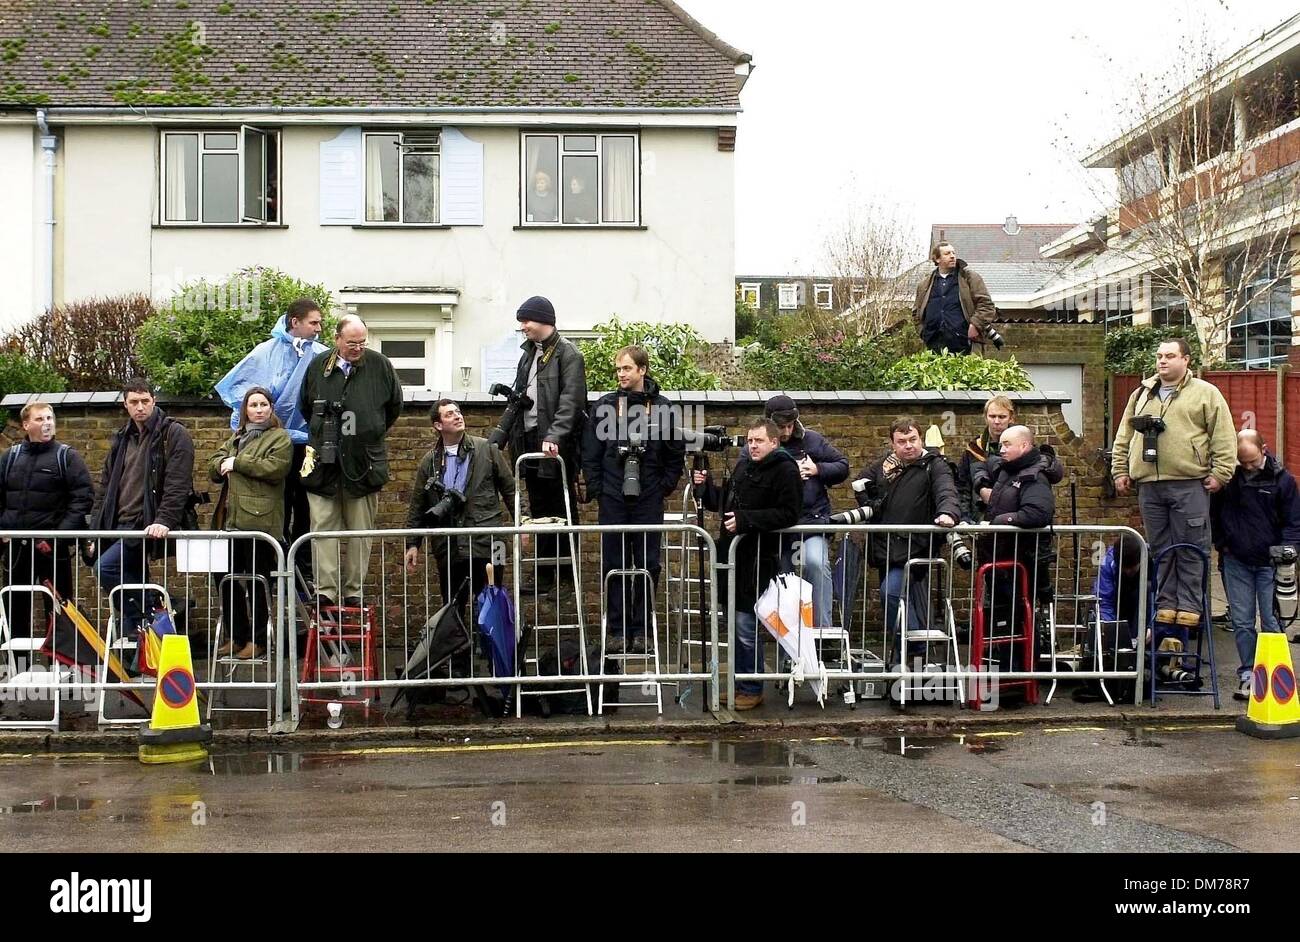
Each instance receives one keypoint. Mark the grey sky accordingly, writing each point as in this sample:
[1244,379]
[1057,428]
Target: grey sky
[953,112]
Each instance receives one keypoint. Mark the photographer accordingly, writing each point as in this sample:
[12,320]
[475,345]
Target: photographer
[1022,476]
[552,374]
[910,485]
[1256,520]
[973,484]
[457,485]
[821,466]
[632,459]
[1177,444]
[351,397]
[765,494]
[953,308]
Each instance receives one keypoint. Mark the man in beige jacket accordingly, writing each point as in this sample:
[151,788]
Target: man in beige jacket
[1176,443]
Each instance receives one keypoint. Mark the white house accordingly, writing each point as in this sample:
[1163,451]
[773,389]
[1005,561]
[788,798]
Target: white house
[433,163]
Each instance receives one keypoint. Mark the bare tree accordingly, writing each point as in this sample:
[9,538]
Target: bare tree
[870,255]
[1208,195]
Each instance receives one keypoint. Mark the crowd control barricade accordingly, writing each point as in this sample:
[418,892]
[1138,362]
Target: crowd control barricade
[875,622]
[73,605]
[423,620]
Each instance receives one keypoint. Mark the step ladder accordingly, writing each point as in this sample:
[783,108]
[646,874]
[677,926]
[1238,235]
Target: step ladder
[22,675]
[647,659]
[229,664]
[1198,659]
[940,640]
[987,642]
[125,647]
[573,562]
[686,587]
[330,654]
[1077,632]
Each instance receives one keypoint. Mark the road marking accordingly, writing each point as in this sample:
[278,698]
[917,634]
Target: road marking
[1073,729]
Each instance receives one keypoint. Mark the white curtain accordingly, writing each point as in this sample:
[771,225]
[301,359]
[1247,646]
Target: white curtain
[620,177]
[182,189]
[377,147]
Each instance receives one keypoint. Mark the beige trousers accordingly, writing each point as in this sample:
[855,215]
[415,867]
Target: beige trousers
[341,512]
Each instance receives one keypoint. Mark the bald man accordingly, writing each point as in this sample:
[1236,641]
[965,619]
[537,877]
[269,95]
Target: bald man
[351,397]
[1022,497]
[1257,509]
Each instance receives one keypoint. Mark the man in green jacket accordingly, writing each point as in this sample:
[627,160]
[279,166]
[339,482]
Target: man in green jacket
[1176,443]
[351,397]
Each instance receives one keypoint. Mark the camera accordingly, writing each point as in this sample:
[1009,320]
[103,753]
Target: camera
[961,554]
[449,506]
[713,438]
[631,455]
[856,515]
[1283,559]
[994,337]
[516,402]
[328,412]
[1149,427]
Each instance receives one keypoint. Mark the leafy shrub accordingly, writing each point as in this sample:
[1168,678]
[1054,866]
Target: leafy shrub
[90,343]
[944,371]
[1133,349]
[209,327]
[673,349]
[827,354]
[22,374]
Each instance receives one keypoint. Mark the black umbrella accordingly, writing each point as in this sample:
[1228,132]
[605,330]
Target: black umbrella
[443,637]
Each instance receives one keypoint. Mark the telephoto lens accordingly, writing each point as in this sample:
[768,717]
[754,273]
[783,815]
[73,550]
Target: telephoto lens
[994,337]
[1284,581]
[961,554]
[856,515]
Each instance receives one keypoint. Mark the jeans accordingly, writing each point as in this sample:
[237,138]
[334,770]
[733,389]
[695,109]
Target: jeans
[125,563]
[918,600]
[748,652]
[815,567]
[1249,588]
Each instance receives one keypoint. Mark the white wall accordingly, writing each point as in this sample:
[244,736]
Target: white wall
[678,270]
[21,197]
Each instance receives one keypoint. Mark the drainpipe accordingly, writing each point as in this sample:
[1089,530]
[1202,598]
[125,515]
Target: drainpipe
[49,143]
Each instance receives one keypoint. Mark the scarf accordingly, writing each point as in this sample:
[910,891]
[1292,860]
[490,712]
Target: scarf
[251,431]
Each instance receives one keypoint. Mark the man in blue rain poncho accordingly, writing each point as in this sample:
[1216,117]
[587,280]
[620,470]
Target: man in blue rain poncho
[279,365]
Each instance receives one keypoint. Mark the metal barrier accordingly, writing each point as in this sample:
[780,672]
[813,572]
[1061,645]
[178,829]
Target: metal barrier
[393,636]
[868,655]
[110,583]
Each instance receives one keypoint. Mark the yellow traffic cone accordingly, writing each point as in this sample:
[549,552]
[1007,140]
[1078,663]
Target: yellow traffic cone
[1274,710]
[174,734]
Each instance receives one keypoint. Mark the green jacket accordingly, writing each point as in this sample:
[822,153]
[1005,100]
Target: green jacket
[1199,438]
[365,403]
[255,488]
[489,475]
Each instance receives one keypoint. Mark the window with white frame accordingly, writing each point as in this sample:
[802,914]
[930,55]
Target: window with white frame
[749,295]
[402,177]
[1259,336]
[787,296]
[225,176]
[580,179]
[411,355]
[823,296]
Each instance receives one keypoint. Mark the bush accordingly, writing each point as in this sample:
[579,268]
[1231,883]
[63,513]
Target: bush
[945,371]
[91,343]
[672,348]
[22,374]
[827,355]
[209,327]
[1133,349]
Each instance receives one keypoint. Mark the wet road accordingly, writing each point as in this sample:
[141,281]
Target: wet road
[1141,789]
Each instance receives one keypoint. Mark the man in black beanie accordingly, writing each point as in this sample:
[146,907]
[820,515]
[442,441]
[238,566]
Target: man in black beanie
[551,371]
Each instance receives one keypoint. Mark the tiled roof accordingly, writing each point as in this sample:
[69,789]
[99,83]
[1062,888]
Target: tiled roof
[1004,279]
[990,243]
[363,53]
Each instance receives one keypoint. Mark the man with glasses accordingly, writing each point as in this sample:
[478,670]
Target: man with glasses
[351,397]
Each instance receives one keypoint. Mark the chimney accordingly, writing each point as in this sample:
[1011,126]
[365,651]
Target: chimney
[1011,227]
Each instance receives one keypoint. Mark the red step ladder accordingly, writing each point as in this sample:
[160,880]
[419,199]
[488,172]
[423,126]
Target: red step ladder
[985,640]
[337,640]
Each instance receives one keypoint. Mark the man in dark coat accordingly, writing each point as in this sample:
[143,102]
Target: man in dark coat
[146,485]
[1022,477]
[552,373]
[910,486]
[636,423]
[763,495]
[1257,509]
[474,469]
[44,485]
[953,307]
[351,397]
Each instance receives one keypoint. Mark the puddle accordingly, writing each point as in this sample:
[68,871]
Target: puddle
[919,747]
[782,780]
[57,803]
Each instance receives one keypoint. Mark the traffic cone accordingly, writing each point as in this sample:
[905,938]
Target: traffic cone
[1273,711]
[174,733]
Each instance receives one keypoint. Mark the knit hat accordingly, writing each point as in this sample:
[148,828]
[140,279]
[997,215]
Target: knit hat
[537,309]
[781,410]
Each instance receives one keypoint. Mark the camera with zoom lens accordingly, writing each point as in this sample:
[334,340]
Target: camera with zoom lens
[713,438]
[994,337]
[868,504]
[631,455]
[856,515]
[449,506]
[961,554]
[1149,427]
[329,413]
[1285,594]
[516,402]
